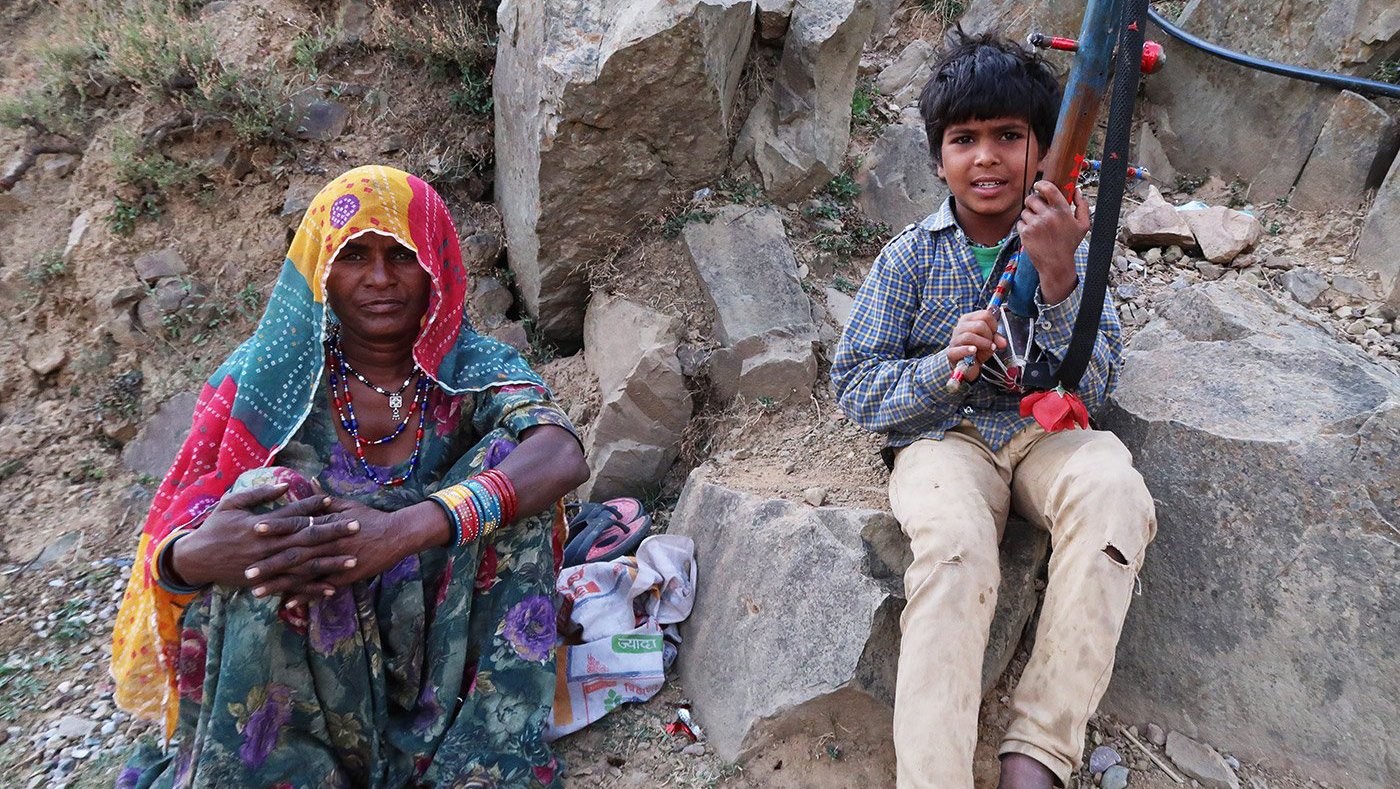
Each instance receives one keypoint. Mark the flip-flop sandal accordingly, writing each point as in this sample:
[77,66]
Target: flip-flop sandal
[606,531]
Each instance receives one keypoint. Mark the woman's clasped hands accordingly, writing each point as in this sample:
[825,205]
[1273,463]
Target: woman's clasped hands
[304,550]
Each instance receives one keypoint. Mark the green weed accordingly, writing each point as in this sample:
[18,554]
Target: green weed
[19,689]
[1388,71]
[740,191]
[1238,189]
[672,226]
[843,189]
[1189,183]
[864,114]
[88,470]
[947,11]
[310,47]
[126,214]
[48,268]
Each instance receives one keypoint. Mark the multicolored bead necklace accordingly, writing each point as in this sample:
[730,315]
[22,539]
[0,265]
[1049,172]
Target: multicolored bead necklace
[340,374]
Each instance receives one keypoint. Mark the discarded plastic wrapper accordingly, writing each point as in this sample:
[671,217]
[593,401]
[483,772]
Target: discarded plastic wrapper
[685,724]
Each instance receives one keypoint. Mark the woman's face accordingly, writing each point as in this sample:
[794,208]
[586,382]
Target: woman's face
[378,290]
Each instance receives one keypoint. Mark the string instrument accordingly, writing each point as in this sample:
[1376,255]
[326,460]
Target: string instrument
[1110,43]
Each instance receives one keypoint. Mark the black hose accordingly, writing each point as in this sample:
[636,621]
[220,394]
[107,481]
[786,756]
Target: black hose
[1113,180]
[1366,87]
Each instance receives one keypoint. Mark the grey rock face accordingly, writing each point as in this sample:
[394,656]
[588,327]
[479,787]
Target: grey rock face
[796,136]
[778,571]
[905,77]
[1375,249]
[1351,155]
[1201,762]
[645,405]
[1269,447]
[155,447]
[898,184]
[602,110]
[763,320]
[318,118]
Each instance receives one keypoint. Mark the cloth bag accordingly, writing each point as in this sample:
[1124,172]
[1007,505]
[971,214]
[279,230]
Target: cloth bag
[621,606]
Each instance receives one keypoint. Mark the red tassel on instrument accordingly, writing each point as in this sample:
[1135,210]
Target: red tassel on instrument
[1056,409]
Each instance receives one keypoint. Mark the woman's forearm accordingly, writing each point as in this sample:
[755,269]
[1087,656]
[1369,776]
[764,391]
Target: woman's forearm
[546,466]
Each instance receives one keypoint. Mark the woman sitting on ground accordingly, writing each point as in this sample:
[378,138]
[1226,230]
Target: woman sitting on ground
[346,578]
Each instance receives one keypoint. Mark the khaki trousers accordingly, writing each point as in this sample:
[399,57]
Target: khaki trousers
[952,498]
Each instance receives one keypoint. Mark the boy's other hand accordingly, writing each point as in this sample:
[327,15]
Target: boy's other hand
[1051,230]
[976,333]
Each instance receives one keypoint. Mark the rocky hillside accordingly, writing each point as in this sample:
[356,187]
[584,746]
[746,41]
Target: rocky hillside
[669,206]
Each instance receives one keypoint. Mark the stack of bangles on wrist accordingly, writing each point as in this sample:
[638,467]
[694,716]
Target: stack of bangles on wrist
[478,506]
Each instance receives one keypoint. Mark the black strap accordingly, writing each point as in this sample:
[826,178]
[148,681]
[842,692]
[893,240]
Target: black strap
[1113,180]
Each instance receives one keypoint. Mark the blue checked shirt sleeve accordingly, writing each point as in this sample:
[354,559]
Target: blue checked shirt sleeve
[1056,327]
[877,387]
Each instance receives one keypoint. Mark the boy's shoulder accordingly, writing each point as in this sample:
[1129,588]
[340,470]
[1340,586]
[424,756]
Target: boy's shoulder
[918,242]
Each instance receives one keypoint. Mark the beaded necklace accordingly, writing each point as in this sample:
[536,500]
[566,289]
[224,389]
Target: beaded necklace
[340,374]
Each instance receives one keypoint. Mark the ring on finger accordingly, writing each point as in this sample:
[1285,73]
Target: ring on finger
[310,521]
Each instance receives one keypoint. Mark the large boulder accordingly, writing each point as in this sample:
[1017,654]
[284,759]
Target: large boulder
[763,320]
[797,133]
[602,110]
[1267,619]
[1356,146]
[644,403]
[797,616]
[898,184]
[1375,249]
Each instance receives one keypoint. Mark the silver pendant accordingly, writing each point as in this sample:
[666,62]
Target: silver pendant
[395,403]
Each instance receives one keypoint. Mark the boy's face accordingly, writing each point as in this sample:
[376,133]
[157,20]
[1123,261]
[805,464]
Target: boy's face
[988,169]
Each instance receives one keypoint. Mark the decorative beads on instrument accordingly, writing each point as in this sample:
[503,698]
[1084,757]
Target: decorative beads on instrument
[479,506]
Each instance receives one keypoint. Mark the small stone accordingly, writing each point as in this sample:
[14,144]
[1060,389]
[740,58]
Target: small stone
[297,199]
[1172,254]
[1276,262]
[80,753]
[319,119]
[694,749]
[512,333]
[1233,762]
[1201,762]
[1103,758]
[1357,328]
[392,143]
[490,297]
[60,166]
[1153,256]
[1351,286]
[1115,777]
[64,687]
[1306,287]
[481,249]
[47,358]
[109,728]
[160,264]
[815,496]
[1128,291]
[1210,271]
[1156,735]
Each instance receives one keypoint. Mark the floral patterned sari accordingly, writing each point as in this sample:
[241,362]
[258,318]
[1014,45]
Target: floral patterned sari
[439,672]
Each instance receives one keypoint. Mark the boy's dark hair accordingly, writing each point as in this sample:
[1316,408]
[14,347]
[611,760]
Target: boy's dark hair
[986,76]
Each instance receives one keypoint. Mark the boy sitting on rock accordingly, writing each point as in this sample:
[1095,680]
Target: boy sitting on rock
[960,460]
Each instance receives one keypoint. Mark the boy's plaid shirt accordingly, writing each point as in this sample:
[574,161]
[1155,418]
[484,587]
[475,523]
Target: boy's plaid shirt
[890,371]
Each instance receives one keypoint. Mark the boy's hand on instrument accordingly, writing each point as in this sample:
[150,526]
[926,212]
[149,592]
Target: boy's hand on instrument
[1051,230]
[975,334]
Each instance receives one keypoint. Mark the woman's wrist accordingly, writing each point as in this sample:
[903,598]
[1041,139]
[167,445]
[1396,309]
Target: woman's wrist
[424,525]
[180,560]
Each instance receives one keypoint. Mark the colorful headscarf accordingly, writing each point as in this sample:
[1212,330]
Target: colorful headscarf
[258,398]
